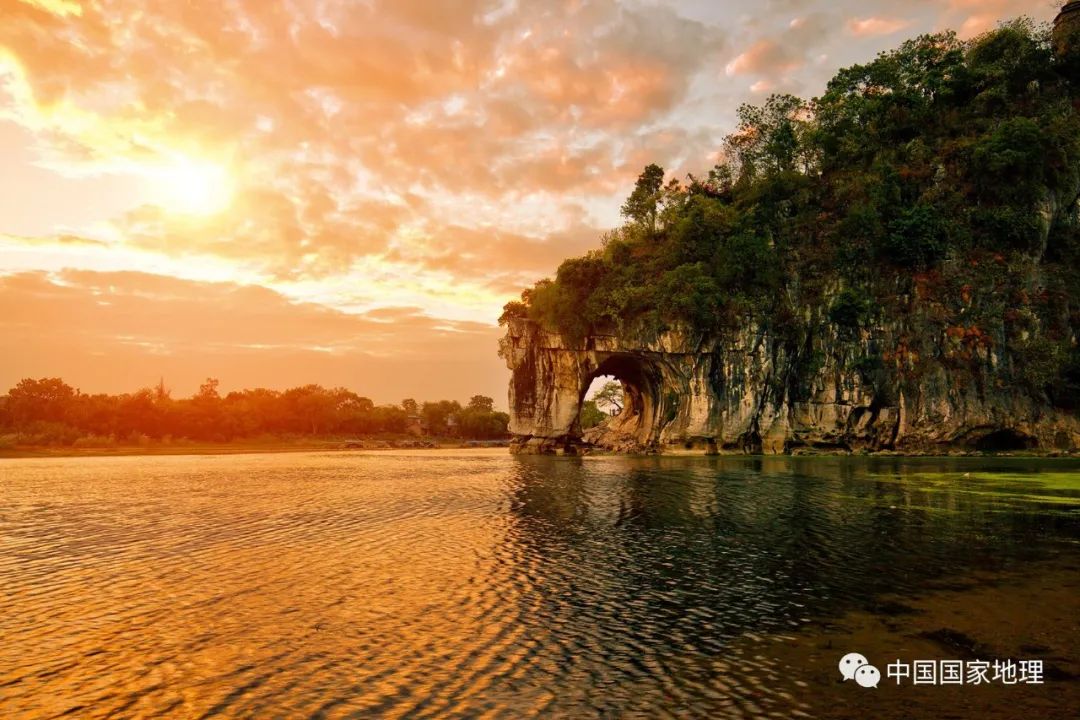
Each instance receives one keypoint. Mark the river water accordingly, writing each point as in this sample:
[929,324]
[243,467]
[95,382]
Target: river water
[476,584]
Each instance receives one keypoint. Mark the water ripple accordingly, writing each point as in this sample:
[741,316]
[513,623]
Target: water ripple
[456,585]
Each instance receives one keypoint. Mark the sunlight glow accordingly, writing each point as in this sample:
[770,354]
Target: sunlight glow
[192,187]
[60,8]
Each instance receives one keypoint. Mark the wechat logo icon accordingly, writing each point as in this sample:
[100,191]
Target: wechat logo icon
[855,666]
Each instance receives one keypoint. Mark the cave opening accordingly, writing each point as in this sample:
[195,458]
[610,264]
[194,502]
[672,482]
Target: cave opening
[1004,441]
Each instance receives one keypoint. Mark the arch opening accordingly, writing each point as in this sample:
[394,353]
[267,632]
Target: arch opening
[604,399]
[619,401]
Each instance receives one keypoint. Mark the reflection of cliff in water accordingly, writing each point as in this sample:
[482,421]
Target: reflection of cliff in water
[708,549]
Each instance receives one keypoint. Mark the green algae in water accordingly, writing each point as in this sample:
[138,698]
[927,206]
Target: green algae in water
[1055,487]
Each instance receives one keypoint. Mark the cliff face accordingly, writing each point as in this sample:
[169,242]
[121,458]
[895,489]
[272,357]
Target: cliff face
[900,386]
[959,361]
[914,288]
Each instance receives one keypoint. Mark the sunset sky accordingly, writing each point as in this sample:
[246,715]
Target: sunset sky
[346,192]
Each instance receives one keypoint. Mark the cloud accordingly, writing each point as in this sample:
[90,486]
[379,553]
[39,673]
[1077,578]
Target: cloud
[114,331]
[384,169]
[973,17]
[327,114]
[764,56]
[773,60]
[61,8]
[874,26]
[62,240]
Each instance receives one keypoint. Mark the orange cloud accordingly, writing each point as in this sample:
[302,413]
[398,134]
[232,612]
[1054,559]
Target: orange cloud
[774,59]
[874,26]
[764,56]
[354,159]
[973,17]
[331,125]
[116,331]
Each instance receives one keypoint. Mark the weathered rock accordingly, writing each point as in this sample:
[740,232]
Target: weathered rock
[752,392]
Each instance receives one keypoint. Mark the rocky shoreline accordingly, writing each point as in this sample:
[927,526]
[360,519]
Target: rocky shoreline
[543,447]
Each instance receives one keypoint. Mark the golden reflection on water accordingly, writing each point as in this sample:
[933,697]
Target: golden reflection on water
[425,585]
[194,585]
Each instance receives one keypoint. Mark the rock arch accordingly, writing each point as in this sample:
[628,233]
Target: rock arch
[665,390]
[750,392]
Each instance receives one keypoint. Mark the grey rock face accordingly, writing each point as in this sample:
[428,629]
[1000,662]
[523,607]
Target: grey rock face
[884,388]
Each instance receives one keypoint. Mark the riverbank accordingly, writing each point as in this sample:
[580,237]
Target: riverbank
[352,445]
[679,451]
[628,445]
[245,447]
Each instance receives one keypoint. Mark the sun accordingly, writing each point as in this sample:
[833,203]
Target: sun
[192,187]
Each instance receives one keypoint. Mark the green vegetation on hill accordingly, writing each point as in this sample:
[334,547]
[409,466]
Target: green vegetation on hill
[946,171]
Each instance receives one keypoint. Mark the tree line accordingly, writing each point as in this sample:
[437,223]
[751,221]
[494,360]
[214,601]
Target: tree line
[48,411]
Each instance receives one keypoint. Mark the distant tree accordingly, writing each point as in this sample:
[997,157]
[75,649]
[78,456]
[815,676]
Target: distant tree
[317,407]
[47,399]
[513,310]
[479,424]
[387,418]
[481,402]
[51,412]
[254,412]
[673,197]
[138,414]
[560,304]
[610,397]
[205,414]
[769,138]
[346,401]
[438,415]
[591,415]
[209,390]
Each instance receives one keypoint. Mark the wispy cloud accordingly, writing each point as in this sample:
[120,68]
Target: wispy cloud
[874,26]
